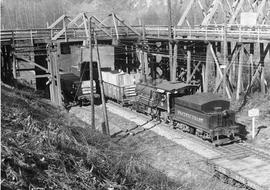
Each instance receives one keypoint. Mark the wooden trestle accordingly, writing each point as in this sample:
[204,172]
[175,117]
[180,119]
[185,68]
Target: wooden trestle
[216,55]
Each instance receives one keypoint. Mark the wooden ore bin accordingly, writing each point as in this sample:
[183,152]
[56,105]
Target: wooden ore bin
[120,86]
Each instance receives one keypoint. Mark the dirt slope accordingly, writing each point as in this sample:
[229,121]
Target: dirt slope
[44,147]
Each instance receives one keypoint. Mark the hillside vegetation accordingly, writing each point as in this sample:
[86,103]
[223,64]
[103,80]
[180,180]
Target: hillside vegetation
[44,147]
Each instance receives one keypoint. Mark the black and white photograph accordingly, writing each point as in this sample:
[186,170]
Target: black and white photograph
[135,94]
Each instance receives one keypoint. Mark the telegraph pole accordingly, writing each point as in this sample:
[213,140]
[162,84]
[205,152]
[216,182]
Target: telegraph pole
[225,56]
[104,109]
[91,76]
[170,40]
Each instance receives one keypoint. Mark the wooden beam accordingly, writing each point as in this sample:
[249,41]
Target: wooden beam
[171,60]
[175,61]
[57,22]
[262,56]
[236,12]
[260,11]
[85,25]
[228,66]
[115,26]
[31,62]
[218,69]
[240,71]
[211,12]
[184,15]
[61,32]
[194,71]
[188,64]
[255,75]
[127,25]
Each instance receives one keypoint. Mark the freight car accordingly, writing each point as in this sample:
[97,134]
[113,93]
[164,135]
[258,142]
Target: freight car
[120,86]
[208,116]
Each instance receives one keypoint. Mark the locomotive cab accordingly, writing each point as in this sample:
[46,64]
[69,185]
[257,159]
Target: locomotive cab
[158,100]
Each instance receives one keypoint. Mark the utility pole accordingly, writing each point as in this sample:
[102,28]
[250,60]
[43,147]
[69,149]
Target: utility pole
[225,56]
[170,41]
[104,109]
[91,75]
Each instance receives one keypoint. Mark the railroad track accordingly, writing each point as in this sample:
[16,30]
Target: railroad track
[230,151]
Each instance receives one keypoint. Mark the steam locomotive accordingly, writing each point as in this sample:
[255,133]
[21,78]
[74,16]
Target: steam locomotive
[206,115]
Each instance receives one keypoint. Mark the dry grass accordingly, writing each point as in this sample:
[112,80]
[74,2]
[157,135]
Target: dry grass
[43,148]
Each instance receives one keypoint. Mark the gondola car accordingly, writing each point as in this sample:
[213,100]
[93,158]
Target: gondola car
[120,86]
[158,100]
[208,116]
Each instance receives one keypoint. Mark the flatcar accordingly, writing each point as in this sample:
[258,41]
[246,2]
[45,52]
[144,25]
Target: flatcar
[208,116]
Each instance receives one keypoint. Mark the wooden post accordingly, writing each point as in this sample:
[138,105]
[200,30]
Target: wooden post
[188,64]
[51,71]
[91,76]
[240,70]
[105,115]
[207,69]
[14,68]
[65,28]
[126,54]
[262,56]
[251,62]
[203,78]
[143,66]
[58,81]
[174,62]
[171,64]
[171,60]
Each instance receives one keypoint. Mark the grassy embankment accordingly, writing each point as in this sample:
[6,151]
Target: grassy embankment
[43,146]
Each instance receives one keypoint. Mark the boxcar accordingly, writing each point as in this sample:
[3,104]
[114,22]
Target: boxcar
[208,116]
